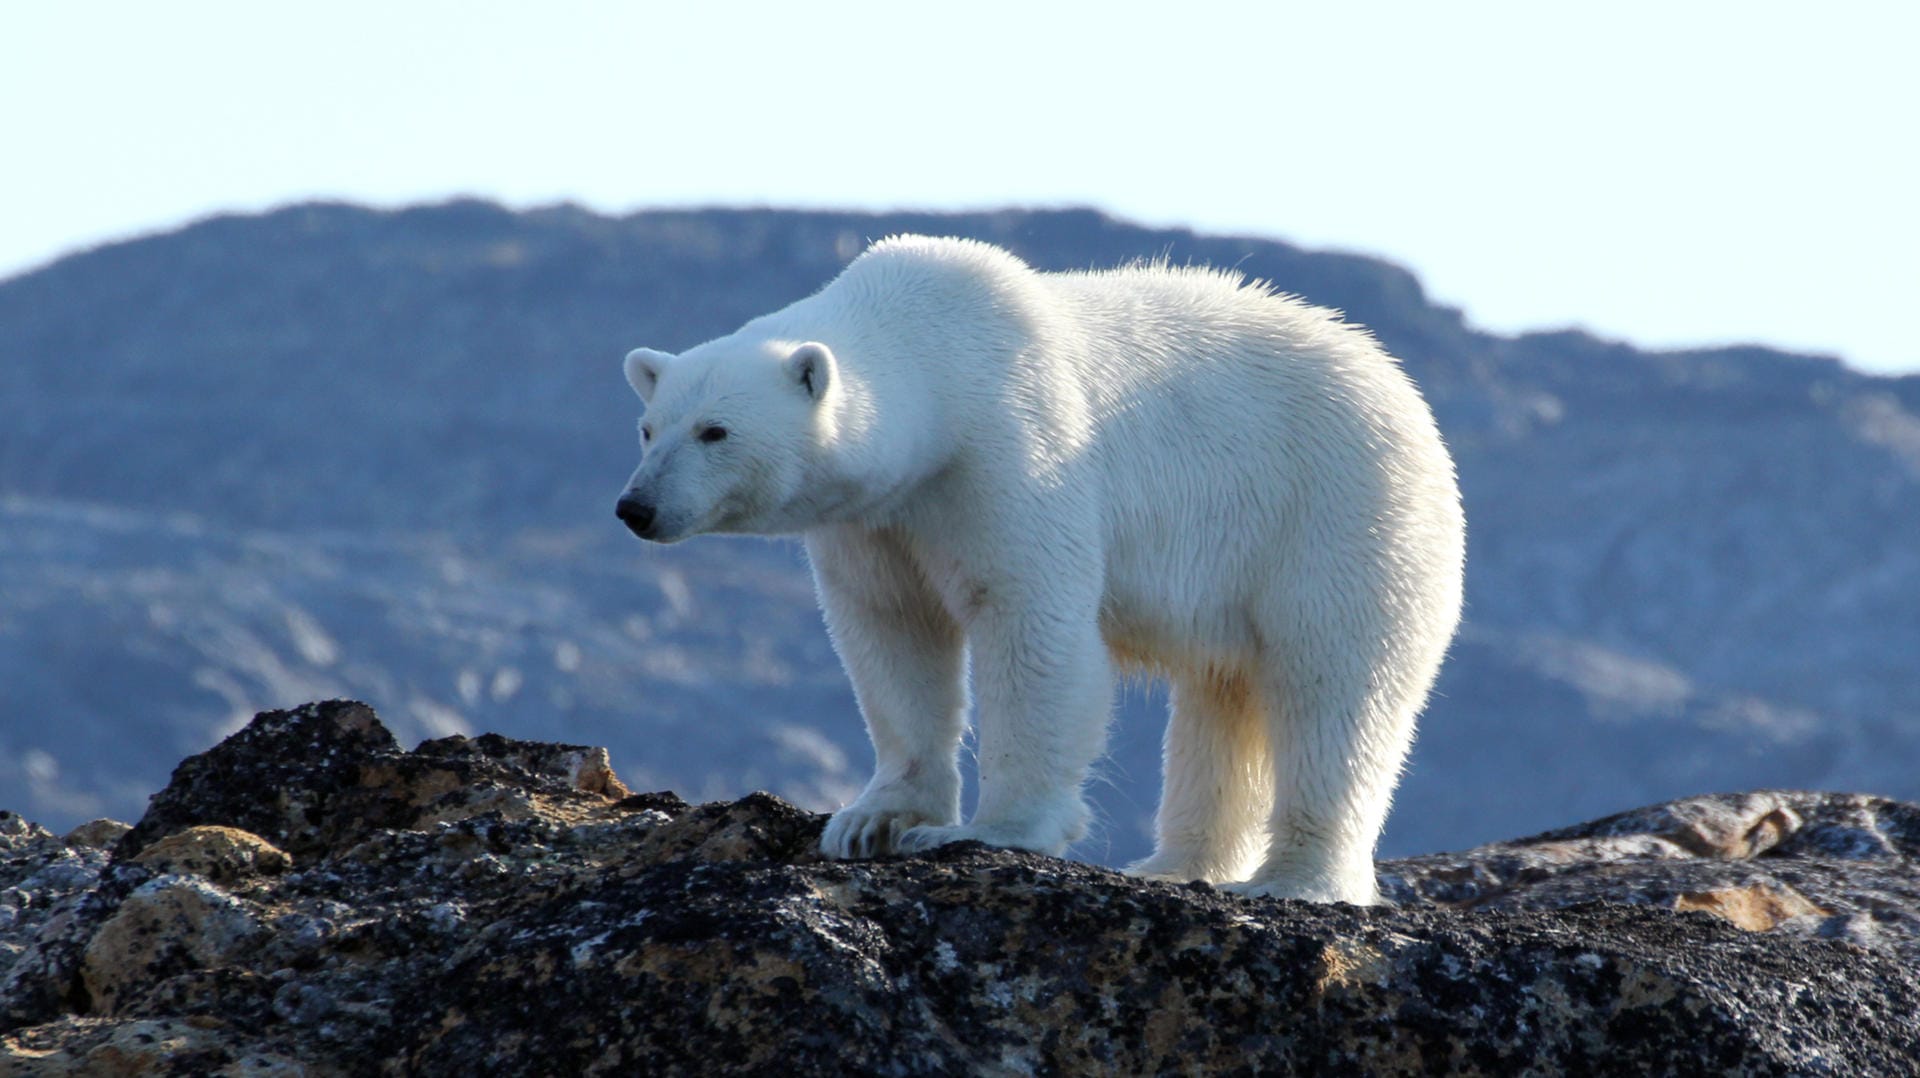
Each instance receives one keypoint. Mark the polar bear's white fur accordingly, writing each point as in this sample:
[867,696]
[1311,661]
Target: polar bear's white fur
[1051,477]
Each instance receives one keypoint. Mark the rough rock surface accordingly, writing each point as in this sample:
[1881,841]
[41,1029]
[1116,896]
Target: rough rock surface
[1833,866]
[307,898]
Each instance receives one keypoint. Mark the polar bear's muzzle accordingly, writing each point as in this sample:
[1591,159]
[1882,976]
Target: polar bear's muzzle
[637,513]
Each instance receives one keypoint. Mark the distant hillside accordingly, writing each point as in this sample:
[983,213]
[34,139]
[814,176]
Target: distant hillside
[333,451]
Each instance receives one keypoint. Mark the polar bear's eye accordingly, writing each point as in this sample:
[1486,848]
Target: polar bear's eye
[712,434]
[646,434]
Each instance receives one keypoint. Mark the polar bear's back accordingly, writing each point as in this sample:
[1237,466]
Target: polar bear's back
[1197,365]
[1147,326]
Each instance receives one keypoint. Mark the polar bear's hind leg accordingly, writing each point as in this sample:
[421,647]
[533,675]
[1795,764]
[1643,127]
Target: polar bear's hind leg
[1217,790]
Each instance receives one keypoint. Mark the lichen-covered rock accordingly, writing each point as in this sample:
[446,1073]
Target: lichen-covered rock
[488,906]
[75,1047]
[1837,866]
[168,924]
[98,834]
[221,854]
[50,898]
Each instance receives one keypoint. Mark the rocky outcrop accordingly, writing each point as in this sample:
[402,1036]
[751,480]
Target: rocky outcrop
[307,898]
[1831,866]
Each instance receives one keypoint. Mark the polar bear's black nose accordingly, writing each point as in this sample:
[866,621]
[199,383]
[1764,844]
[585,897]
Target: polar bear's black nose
[636,514]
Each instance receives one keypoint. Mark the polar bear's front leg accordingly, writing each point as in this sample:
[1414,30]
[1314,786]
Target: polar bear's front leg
[1044,688]
[907,660]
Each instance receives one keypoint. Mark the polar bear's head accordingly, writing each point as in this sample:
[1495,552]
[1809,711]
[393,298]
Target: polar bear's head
[730,436]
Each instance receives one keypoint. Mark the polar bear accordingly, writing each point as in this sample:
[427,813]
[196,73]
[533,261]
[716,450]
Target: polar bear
[1050,478]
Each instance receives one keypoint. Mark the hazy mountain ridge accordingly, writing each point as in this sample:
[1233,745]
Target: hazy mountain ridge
[329,450]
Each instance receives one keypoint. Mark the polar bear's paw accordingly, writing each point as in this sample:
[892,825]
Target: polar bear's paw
[1354,888]
[870,830]
[1170,870]
[922,839]
[1049,832]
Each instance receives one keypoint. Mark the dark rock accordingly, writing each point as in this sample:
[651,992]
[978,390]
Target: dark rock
[315,778]
[292,777]
[489,906]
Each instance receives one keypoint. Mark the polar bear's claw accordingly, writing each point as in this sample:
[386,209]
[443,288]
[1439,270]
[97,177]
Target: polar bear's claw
[859,832]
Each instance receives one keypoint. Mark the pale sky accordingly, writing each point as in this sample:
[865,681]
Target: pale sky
[1665,173]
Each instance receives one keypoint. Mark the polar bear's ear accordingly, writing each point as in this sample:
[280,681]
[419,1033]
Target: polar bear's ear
[643,370]
[811,368]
